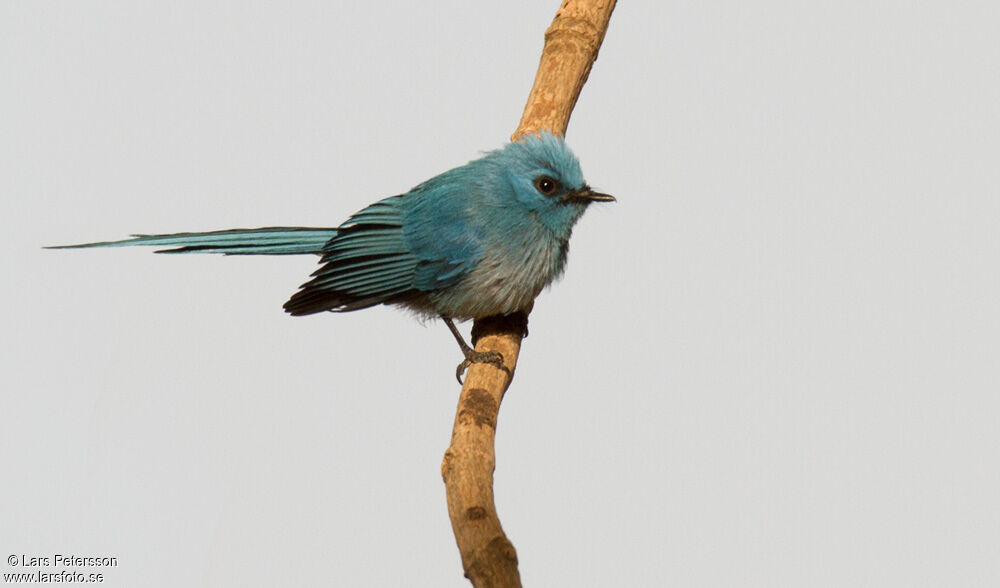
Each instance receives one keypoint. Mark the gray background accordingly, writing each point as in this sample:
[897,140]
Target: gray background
[772,363]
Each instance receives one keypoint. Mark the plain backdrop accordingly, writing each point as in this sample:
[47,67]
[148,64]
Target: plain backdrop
[775,362]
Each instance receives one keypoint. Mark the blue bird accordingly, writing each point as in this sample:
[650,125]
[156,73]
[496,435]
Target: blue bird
[479,240]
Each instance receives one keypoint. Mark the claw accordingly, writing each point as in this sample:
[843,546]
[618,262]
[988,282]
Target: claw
[493,358]
[472,356]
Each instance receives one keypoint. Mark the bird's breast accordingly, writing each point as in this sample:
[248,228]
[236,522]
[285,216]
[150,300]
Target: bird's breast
[506,280]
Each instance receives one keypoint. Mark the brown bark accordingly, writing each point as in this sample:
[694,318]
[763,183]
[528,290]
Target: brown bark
[488,557]
[571,45]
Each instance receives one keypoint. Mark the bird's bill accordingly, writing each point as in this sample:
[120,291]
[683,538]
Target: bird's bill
[589,195]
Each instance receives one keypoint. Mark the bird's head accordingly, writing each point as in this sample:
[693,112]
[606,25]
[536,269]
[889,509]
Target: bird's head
[546,180]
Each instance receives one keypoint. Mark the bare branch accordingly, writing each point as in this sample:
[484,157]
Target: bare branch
[488,557]
[571,45]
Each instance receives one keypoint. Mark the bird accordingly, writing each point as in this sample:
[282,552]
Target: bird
[479,240]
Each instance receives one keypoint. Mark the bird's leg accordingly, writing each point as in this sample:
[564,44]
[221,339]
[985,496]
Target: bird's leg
[471,355]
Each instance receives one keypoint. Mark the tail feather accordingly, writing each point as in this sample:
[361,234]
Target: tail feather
[263,241]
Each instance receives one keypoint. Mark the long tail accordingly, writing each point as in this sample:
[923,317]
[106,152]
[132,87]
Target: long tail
[263,241]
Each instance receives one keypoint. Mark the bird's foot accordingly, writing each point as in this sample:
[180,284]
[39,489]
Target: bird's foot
[493,358]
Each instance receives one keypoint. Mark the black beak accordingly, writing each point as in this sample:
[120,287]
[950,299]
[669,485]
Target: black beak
[587,194]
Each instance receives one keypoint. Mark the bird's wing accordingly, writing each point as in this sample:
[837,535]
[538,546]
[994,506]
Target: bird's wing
[444,237]
[397,248]
[367,263]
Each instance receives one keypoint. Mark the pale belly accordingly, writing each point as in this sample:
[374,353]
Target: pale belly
[499,284]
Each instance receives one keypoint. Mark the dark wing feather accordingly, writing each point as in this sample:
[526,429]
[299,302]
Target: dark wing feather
[369,262]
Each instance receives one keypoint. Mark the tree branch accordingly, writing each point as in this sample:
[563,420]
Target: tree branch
[488,557]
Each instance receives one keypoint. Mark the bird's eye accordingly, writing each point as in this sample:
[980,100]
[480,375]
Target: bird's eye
[546,185]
